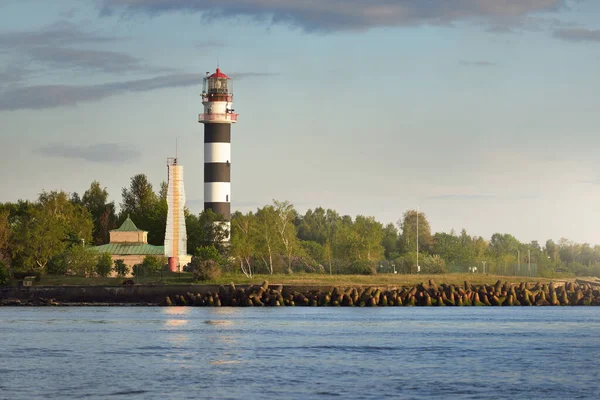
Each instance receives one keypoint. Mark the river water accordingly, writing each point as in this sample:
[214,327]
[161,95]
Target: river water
[299,353]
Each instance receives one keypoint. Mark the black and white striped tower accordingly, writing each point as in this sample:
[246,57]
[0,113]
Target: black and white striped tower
[217,97]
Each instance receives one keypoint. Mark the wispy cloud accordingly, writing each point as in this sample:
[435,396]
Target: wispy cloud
[337,15]
[51,96]
[57,34]
[478,196]
[480,63]
[108,61]
[591,181]
[578,35]
[100,153]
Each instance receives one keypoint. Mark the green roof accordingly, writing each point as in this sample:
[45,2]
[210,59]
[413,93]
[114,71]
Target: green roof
[124,249]
[128,226]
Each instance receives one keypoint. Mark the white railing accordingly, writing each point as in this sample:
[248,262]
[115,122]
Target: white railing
[228,117]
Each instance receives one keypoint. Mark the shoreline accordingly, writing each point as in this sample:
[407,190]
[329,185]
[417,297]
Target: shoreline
[581,293]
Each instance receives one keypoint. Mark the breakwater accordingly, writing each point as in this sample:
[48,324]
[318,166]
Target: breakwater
[423,294]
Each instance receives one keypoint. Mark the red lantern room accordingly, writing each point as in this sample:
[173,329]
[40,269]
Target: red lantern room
[217,87]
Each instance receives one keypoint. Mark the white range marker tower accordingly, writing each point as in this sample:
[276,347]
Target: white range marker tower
[175,235]
[217,98]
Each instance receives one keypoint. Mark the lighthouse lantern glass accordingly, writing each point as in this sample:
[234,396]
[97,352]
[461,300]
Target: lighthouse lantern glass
[218,85]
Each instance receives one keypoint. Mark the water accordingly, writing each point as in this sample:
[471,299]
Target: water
[299,353]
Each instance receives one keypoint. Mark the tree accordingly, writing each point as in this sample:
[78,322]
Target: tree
[286,228]
[104,265]
[49,227]
[205,253]
[153,264]
[4,275]
[95,200]
[5,232]
[389,240]
[121,268]
[145,208]
[242,241]
[213,230]
[408,227]
[267,235]
[81,261]
[370,233]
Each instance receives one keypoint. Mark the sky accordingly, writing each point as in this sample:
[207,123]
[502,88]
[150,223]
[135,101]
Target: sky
[481,113]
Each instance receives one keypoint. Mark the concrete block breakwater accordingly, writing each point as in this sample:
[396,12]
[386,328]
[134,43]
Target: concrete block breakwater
[423,294]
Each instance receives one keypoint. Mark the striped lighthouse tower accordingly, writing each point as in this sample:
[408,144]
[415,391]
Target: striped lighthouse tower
[217,98]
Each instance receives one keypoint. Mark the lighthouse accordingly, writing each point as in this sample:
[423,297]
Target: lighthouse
[218,115]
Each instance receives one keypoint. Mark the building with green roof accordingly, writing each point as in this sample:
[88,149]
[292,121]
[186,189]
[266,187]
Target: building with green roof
[130,244]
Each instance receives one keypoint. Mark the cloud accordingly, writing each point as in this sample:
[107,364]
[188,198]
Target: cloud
[338,15]
[481,63]
[57,34]
[52,46]
[591,181]
[578,35]
[480,196]
[108,61]
[51,96]
[101,152]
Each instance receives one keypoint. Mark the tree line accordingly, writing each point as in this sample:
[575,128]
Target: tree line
[50,234]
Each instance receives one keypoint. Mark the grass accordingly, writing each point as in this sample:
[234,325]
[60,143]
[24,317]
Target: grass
[301,279]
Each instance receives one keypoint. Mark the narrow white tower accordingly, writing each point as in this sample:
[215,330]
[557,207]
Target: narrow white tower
[217,98]
[175,235]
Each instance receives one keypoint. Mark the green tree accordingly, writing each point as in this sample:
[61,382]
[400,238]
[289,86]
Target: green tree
[370,233]
[4,275]
[95,200]
[389,240]
[210,252]
[153,264]
[213,230]
[243,241]
[121,268]
[81,260]
[145,208]
[408,227]
[286,228]
[5,233]
[104,265]
[267,243]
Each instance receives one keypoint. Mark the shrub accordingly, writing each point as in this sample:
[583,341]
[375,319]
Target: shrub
[206,253]
[139,270]
[362,268]
[205,270]
[4,276]
[20,275]
[104,264]
[434,265]
[121,268]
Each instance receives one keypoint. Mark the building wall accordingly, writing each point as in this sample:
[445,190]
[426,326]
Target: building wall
[129,260]
[129,237]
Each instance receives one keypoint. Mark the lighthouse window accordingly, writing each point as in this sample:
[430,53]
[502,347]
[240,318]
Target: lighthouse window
[227,197]
[217,85]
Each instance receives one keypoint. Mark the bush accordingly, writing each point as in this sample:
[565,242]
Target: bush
[139,270]
[433,265]
[4,276]
[20,275]
[121,268]
[362,268]
[104,265]
[205,270]
[206,253]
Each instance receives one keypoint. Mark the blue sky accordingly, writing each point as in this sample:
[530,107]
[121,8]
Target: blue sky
[482,113]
